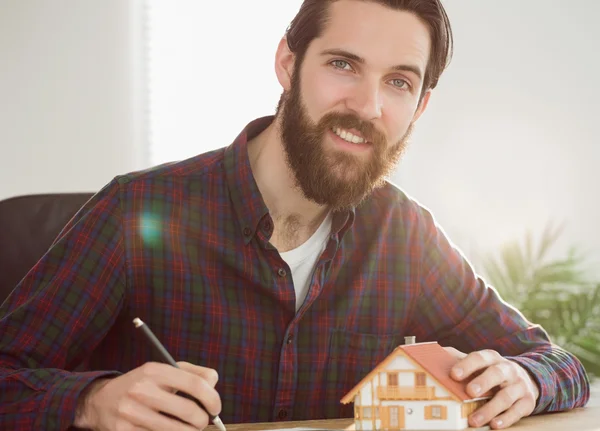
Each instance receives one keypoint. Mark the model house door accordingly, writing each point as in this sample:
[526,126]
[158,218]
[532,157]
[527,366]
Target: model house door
[395,418]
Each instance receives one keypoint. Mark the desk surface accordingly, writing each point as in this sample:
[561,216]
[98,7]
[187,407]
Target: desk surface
[587,419]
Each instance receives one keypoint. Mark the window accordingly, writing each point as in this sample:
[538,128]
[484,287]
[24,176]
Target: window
[420,379]
[436,412]
[393,379]
[394,417]
[210,71]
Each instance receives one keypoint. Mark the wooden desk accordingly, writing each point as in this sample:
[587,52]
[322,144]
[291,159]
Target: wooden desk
[586,419]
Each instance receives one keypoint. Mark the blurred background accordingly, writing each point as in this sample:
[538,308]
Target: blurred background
[505,156]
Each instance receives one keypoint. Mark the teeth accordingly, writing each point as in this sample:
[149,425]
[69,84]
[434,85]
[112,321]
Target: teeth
[348,137]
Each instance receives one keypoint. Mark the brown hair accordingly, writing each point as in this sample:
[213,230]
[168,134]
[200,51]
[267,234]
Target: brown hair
[310,21]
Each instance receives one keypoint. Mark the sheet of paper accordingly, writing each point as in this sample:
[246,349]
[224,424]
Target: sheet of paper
[304,429]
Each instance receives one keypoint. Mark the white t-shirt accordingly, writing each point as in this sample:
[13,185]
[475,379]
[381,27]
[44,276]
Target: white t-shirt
[302,259]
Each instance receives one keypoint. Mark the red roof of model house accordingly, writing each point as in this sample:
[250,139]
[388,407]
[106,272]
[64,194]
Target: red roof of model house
[433,359]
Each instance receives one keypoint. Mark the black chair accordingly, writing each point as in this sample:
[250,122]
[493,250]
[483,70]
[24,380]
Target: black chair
[28,226]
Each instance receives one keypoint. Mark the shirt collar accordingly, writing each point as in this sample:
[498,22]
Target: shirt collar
[246,199]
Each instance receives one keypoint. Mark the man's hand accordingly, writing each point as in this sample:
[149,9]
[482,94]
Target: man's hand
[516,395]
[134,400]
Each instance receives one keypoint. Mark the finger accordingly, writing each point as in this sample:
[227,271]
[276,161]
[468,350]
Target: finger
[139,415]
[501,402]
[125,425]
[149,394]
[474,362]
[520,409]
[495,375]
[208,374]
[192,384]
[455,353]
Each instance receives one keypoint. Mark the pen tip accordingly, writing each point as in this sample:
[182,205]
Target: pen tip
[137,322]
[219,423]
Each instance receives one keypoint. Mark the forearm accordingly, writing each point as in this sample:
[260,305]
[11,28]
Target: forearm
[458,309]
[43,398]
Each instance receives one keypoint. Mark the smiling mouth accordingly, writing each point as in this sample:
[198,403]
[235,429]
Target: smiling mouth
[350,137]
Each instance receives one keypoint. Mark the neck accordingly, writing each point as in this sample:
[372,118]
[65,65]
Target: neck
[276,184]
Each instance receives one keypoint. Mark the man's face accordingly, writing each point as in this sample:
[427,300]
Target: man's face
[348,111]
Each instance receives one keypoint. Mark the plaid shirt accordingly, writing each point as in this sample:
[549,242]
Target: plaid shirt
[185,247]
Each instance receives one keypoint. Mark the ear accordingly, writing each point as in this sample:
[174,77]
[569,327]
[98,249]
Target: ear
[284,64]
[422,106]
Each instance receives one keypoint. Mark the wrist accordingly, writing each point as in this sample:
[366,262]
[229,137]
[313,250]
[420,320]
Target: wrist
[536,388]
[85,414]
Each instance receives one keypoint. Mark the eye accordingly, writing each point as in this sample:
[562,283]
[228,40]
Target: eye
[341,64]
[400,83]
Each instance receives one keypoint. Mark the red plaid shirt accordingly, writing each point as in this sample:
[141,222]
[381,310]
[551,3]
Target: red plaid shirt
[185,247]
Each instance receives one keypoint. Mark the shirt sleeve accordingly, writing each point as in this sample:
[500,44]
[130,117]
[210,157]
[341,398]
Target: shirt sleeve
[457,308]
[57,314]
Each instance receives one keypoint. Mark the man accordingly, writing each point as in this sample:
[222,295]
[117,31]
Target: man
[284,262]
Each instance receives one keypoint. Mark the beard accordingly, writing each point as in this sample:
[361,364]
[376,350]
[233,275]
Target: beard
[337,179]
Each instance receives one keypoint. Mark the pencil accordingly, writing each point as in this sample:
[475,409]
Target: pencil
[167,357]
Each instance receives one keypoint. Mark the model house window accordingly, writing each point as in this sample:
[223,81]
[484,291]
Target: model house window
[393,379]
[394,417]
[420,379]
[436,412]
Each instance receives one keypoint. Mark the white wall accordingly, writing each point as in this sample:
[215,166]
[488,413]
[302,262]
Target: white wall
[69,116]
[510,139]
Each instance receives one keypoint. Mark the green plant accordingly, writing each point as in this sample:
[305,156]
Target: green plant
[551,292]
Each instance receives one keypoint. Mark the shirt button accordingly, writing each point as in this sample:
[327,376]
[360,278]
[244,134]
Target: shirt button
[268,226]
[290,339]
[281,272]
[247,231]
[282,414]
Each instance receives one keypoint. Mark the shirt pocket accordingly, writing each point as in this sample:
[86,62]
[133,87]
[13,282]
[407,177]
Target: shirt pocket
[352,356]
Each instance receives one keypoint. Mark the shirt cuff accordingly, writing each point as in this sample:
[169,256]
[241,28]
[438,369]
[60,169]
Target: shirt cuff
[59,406]
[542,378]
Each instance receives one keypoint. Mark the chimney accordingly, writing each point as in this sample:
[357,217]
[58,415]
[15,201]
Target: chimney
[409,340]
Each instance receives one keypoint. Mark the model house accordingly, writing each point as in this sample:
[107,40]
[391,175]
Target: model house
[412,389]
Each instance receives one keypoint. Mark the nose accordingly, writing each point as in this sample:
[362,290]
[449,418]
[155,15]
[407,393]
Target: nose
[365,100]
